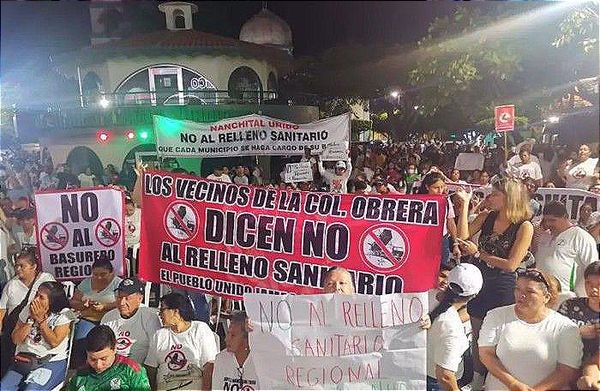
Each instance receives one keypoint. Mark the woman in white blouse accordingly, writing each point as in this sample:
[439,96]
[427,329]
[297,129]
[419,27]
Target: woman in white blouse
[41,334]
[583,173]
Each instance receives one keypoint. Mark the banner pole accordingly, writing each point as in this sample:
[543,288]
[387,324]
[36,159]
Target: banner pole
[505,148]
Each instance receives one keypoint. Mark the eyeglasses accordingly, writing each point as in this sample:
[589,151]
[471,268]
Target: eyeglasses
[535,275]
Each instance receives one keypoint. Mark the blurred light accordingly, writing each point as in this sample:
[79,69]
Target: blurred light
[553,119]
[144,135]
[104,103]
[416,107]
[130,134]
[102,136]
[394,94]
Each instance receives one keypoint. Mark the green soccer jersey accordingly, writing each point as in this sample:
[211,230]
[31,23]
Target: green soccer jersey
[124,374]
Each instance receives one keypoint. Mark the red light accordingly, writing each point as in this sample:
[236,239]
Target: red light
[130,135]
[102,136]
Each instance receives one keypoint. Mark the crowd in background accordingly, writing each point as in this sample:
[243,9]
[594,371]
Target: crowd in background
[526,316]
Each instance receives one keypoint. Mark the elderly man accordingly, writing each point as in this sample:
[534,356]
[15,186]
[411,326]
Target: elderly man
[566,250]
[133,324]
[338,280]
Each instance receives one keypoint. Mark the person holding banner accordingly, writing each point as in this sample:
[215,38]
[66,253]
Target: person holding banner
[504,240]
[234,365]
[183,351]
[584,172]
[446,340]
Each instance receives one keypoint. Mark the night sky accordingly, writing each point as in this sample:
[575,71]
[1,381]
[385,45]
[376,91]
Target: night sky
[33,30]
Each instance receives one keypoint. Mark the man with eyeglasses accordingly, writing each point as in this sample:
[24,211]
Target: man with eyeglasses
[566,250]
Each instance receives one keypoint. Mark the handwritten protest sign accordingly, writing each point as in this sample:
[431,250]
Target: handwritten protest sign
[335,151]
[250,135]
[227,240]
[469,161]
[338,341]
[78,227]
[298,172]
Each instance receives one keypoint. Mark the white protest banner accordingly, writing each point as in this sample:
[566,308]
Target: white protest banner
[333,341]
[298,172]
[334,152]
[469,161]
[78,227]
[250,135]
[572,198]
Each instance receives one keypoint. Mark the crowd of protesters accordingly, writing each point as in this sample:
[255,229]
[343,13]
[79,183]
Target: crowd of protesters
[516,307]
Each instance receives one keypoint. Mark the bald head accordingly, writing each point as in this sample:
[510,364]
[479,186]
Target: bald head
[338,280]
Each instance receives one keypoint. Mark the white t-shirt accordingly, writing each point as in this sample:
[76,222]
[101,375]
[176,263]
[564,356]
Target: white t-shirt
[530,352]
[133,334]
[446,342]
[530,170]
[240,180]
[222,178]
[337,183]
[227,372]
[22,240]
[35,342]
[86,180]
[581,176]
[515,160]
[107,295]
[180,357]
[572,248]
[14,291]
[133,225]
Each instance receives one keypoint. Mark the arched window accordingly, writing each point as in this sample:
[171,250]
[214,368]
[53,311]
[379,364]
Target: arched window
[244,85]
[179,18]
[81,158]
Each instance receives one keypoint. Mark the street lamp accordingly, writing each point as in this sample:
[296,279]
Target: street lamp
[104,103]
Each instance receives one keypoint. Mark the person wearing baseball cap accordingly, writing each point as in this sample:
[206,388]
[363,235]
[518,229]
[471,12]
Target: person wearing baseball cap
[337,181]
[133,324]
[446,340]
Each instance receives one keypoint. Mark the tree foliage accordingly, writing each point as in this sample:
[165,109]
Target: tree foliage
[580,27]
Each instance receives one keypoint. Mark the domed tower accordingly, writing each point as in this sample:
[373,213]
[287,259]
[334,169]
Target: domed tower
[266,28]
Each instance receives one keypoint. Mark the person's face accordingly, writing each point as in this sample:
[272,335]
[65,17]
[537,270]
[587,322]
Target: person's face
[102,360]
[595,189]
[412,169]
[592,288]
[454,175]
[550,185]
[236,339]
[529,295]
[496,200]
[484,178]
[129,209]
[240,171]
[42,297]
[340,171]
[226,170]
[443,280]
[24,270]
[525,157]
[101,275]
[21,204]
[584,152]
[128,304]
[585,211]
[27,224]
[438,187]
[168,316]
[339,281]
[476,175]
[553,223]
[218,171]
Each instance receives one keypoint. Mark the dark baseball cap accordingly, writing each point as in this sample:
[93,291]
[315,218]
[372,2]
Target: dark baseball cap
[130,286]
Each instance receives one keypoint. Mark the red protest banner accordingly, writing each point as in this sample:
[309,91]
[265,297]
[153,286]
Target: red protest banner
[227,240]
[504,118]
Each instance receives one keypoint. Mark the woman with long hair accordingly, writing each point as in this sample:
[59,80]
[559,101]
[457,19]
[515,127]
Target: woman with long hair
[42,338]
[16,295]
[434,184]
[504,240]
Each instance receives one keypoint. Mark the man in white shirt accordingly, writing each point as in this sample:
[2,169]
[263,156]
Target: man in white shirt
[527,168]
[338,181]
[87,178]
[133,324]
[219,175]
[526,145]
[239,177]
[566,251]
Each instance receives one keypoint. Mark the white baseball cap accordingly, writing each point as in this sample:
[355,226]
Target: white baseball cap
[467,277]
[341,164]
